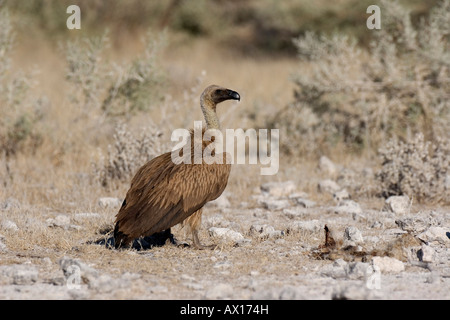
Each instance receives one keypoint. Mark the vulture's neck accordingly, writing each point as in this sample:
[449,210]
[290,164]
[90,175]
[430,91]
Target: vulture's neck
[209,112]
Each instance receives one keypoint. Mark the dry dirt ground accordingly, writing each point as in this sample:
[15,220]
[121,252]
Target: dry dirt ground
[270,246]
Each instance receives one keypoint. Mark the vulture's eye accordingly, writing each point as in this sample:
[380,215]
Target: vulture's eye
[219,92]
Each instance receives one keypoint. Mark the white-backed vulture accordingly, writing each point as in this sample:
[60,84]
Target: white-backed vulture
[163,194]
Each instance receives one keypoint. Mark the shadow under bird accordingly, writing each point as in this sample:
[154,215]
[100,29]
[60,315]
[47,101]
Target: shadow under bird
[163,194]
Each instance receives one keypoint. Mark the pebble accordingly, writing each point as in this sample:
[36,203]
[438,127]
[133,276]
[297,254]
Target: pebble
[398,204]
[9,225]
[435,235]
[426,253]
[388,264]
[225,234]
[309,226]
[278,189]
[274,204]
[348,206]
[353,234]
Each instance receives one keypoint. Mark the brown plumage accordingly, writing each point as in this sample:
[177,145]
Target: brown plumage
[163,194]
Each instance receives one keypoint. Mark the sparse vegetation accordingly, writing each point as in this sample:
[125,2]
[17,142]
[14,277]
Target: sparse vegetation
[348,97]
[417,168]
[127,154]
[20,110]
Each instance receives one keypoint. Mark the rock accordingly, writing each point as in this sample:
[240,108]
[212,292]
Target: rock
[266,231]
[435,235]
[388,264]
[305,203]
[398,204]
[410,225]
[348,206]
[109,202]
[341,195]
[426,253]
[309,226]
[77,272]
[273,205]
[327,166]
[62,221]
[335,270]
[18,274]
[328,186]
[294,213]
[225,234]
[296,195]
[220,291]
[353,234]
[340,269]
[9,225]
[278,189]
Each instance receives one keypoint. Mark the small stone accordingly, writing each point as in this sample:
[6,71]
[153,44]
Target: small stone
[266,231]
[274,205]
[278,189]
[73,267]
[388,264]
[328,186]
[425,253]
[295,212]
[305,203]
[309,226]
[109,202]
[61,221]
[435,235]
[353,234]
[9,225]
[296,195]
[225,234]
[348,206]
[398,204]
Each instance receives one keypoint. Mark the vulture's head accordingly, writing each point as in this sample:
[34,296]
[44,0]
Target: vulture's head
[213,95]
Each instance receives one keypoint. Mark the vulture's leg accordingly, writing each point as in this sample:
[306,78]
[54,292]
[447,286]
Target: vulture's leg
[194,222]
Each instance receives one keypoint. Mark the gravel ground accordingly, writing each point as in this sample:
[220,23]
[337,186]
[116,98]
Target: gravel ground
[272,246]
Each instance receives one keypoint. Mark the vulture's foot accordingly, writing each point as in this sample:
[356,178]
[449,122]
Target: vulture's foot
[198,245]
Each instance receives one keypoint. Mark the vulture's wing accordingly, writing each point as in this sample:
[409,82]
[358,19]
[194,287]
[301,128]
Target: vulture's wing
[163,194]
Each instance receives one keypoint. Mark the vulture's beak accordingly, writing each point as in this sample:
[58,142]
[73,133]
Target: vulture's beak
[233,95]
